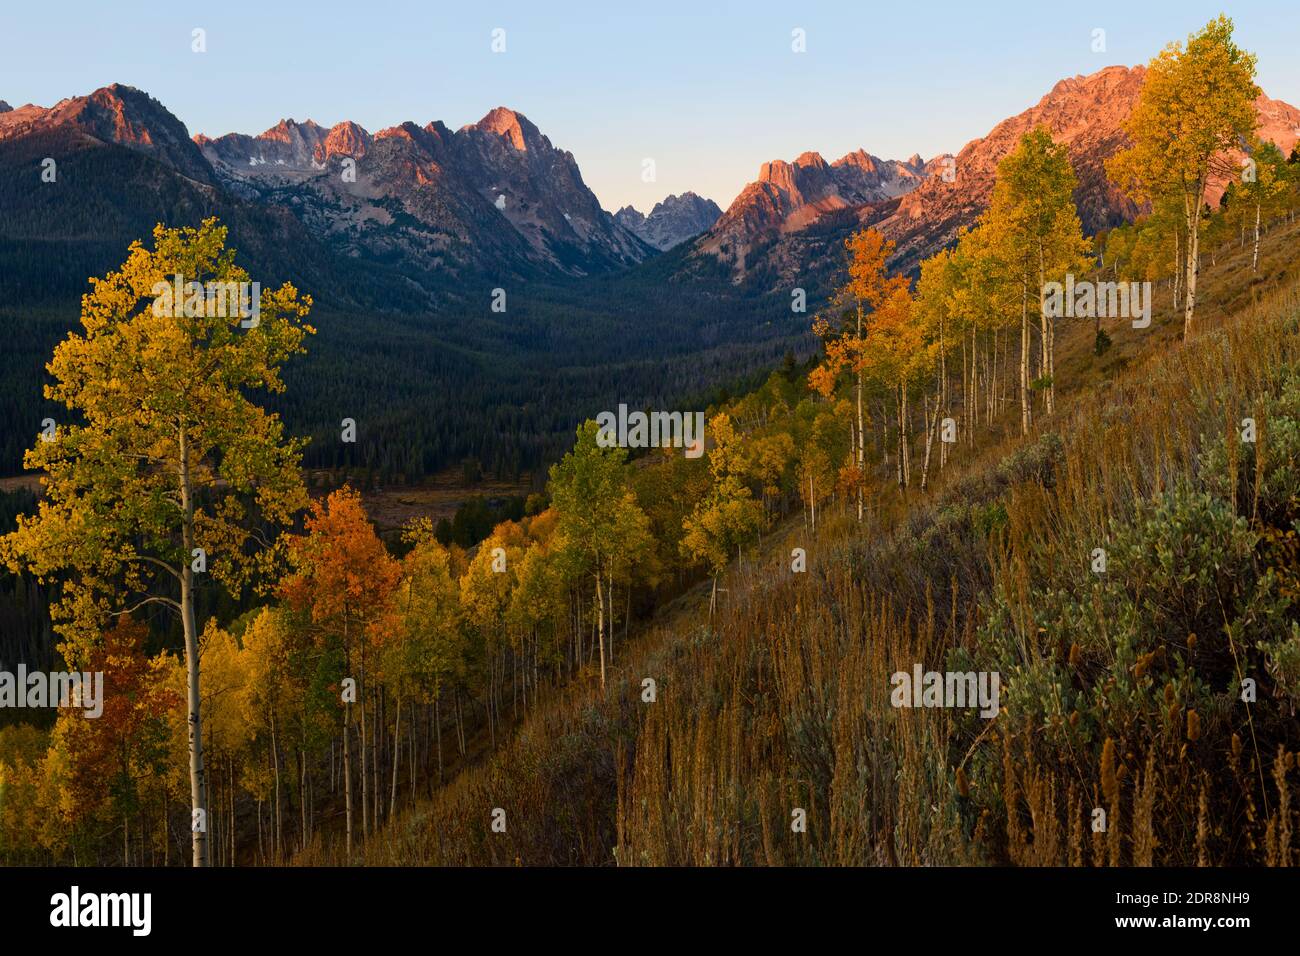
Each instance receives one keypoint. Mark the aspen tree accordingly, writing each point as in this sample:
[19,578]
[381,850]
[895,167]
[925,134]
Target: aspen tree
[1197,104]
[165,456]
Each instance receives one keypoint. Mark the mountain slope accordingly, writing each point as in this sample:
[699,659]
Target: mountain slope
[116,114]
[795,211]
[783,697]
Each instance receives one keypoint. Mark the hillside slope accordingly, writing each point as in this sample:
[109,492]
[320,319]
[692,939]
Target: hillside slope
[1119,691]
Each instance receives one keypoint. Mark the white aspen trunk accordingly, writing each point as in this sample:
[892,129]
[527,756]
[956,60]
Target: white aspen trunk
[861,446]
[1193,260]
[377,753]
[231,762]
[1180,267]
[991,400]
[275,764]
[943,398]
[967,399]
[812,504]
[347,773]
[898,413]
[1024,357]
[907,435]
[600,625]
[929,433]
[437,723]
[397,738]
[460,722]
[1254,262]
[1045,334]
[365,775]
[198,778]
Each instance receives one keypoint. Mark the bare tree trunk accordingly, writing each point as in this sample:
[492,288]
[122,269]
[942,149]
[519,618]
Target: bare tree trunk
[276,821]
[600,625]
[898,417]
[460,722]
[365,776]
[1048,335]
[491,713]
[929,433]
[397,738]
[231,761]
[1180,269]
[861,446]
[437,724]
[907,444]
[944,398]
[1024,356]
[990,397]
[967,397]
[377,755]
[1254,262]
[812,505]
[347,773]
[198,777]
[1193,209]
[1044,362]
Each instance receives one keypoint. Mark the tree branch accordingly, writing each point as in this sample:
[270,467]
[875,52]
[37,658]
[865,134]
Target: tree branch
[174,605]
[162,564]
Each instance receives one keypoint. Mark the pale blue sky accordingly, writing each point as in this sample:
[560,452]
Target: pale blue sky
[708,90]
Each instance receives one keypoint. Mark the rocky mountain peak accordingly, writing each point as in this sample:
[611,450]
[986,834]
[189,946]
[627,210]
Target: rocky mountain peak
[672,221]
[346,139]
[493,193]
[788,197]
[859,159]
[630,214]
[121,115]
[288,130]
[513,126]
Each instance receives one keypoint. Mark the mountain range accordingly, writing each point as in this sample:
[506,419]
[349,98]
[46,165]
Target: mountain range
[425,209]
[791,219]
[496,188]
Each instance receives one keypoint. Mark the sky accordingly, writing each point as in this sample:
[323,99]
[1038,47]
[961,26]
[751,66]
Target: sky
[707,90]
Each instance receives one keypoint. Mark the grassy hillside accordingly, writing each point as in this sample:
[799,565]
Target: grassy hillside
[1120,691]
